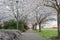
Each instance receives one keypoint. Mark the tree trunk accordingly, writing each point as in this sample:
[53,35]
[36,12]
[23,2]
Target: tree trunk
[35,27]
[39,27]
[58,21]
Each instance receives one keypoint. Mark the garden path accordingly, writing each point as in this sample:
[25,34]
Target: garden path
[31,35]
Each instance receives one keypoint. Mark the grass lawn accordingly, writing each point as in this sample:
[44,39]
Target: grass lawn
[47,33]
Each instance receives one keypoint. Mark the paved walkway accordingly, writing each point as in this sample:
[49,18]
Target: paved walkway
[31,35]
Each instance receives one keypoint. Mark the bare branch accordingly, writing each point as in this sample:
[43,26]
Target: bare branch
[45,16]
[51,6]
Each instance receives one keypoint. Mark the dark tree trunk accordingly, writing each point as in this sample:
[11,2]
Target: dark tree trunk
[58,21]
[39,27]
[35,27]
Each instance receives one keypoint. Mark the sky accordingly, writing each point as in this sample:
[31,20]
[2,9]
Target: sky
[25,7]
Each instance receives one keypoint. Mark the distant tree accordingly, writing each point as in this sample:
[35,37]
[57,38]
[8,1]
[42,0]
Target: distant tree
[55,4]
[25,18]
[42,18]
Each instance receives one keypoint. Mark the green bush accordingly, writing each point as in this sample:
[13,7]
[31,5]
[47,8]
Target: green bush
[11,24]
[0,26]
[26,27]
[24,30]
[21,25]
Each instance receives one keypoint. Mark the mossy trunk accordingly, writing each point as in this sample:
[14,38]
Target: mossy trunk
[58,21]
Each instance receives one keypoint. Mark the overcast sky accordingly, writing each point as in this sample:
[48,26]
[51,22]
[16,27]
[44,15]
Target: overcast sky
[27,6]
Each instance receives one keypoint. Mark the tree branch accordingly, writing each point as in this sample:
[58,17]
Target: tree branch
[50,6]
[46,15]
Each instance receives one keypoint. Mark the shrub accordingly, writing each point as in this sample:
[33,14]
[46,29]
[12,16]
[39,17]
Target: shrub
[21,25]
[11,24]
[0,26]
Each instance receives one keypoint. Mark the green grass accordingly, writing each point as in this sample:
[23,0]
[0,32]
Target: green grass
[47,33]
